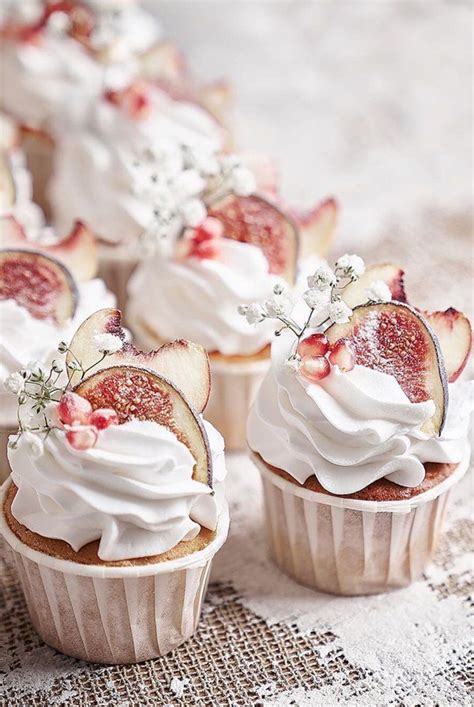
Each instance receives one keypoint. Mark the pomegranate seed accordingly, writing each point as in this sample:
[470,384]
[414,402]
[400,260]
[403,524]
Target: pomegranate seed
[315,368]
[103,418]
[211,228]
[313,345]
[209,250]
[82,438]
[73,409]
[341,355]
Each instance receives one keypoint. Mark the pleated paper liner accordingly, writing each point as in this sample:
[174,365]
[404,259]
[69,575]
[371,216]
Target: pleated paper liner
[350,546]
[113,615]
[234,386]
[116,265]
[5,432]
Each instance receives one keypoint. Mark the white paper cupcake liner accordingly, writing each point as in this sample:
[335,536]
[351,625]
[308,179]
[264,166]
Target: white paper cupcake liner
[116,265]
[349,546]
[233,389]
[39,151]
[113,615]
[5,433]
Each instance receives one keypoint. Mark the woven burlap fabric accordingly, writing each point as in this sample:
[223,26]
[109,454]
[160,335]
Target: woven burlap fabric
[237,658]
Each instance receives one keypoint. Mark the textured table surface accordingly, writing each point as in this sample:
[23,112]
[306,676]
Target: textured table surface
[370,101]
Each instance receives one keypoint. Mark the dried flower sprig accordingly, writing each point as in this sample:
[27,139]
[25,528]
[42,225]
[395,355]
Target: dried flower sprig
[324,299]
[178,182]
[42,390]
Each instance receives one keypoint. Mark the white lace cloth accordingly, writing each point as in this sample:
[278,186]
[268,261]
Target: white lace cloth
[370,101]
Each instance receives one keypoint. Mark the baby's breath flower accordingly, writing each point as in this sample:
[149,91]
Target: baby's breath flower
[339,312]
[316,298]
[107,343]
[193,212]
[62,347]
[35,444]
[278,289]
[255,313]
[14,383]
[57,366]
[352,265]
[35,368]
[243,181]
[73,366]
[278,306]
[378,291]
[242,309]
[322,279]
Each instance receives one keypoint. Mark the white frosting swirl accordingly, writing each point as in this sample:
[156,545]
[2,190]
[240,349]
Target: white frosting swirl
[24,338]
[94,166]
[133,491]
[348,430]
[53,82]
[198,299]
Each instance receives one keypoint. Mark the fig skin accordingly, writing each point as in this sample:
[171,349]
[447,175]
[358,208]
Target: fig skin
[61,271]
[196,428]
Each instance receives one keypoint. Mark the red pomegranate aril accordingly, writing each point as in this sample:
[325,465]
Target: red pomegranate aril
[313,345]
[103,418]
[83,438]
[73,409]
[208,250]
[342,356]
[315,368]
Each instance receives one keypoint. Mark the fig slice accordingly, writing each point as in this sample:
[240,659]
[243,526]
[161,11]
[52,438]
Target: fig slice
[454,333]
[394,338]
[77,251]
[391,274]
[254,220]
[317,227]
[138,393]
[185,364]
[39,283]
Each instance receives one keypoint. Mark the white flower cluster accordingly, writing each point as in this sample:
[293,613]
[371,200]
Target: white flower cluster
[177,182]
[39,389]
[378,291]
[279,306]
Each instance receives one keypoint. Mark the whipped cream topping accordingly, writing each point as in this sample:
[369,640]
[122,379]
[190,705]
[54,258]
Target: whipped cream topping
[94,165]
[348,430]
[133,491]
[52,82]
[198,299]
[24,338]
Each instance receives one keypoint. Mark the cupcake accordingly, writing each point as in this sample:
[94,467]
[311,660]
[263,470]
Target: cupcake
[115,504]
[57,58]
[46,291]
[245,245]
[352,431]
[107,165]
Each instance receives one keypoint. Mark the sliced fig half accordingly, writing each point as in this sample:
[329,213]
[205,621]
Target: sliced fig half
[317,227]
[78,251]
[454,333]
[391,274]
[182,362]
[39,283]
[7,184]
[138,393]
[254,220]
[394,338]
